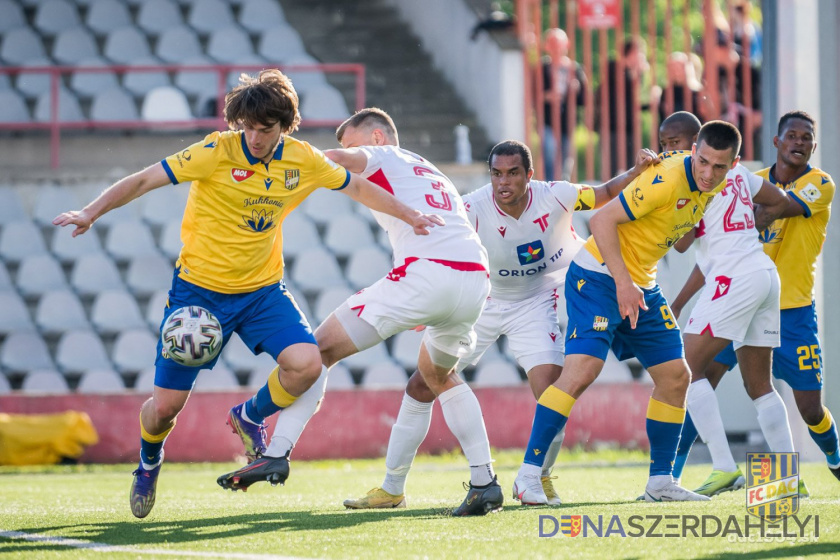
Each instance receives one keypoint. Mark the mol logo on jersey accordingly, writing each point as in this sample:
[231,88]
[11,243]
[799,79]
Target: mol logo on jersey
[240,175]
[530,252]
[682,202]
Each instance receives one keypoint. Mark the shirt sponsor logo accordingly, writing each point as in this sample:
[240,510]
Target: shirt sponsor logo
[240,175]
[638,196]
[292,178]
[259,221]
[682,202]
[810,193]
[530,252]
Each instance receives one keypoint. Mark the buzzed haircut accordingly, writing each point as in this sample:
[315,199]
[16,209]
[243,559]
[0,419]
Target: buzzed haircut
[720,135]
[512,148]
[266,99]
[790,115]
[682,122]
[371,117]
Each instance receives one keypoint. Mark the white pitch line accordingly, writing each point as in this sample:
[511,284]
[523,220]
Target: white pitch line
[103,547]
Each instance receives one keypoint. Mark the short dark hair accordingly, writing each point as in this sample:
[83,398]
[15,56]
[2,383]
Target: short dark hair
[683,121]
[790,115]
[512,148]
[370,117]
[720,135]
[266,99]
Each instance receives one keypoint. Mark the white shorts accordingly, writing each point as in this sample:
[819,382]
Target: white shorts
[447,301]
[743,309]
[531,328]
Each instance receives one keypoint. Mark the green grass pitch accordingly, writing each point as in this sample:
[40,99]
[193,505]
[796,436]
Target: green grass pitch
[82,512]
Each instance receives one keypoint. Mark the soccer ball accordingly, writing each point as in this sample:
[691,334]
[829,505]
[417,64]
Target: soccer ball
[191,336]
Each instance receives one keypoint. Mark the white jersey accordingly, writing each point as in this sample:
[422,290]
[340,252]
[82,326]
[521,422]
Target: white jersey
[420,185]
[728,242]
[529,255]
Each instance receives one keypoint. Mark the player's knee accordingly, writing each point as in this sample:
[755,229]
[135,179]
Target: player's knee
[418,389]
[812,414]
[166,411]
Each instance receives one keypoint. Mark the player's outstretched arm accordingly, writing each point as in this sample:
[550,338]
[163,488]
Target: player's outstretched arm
[693,284]
[609,190]
[685,241]
[120,193]
[364,192]
[773,203]
[604,227]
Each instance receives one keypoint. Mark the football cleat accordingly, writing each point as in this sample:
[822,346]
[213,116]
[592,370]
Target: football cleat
[672,492]
[550,492]
[835,471]
[803,490]
[143,490]
[481,500]
[377,499]
[528,489]
[720,481]
[274,470]
[253,435]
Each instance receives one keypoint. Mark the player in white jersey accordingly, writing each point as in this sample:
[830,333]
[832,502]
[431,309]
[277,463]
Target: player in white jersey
[526,227]
[739,303]
[441,284]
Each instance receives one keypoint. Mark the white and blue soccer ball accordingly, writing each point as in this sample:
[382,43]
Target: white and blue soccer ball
[191,336]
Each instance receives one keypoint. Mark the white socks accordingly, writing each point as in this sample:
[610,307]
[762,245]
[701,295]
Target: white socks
[773,419]
[553,450]
[705,413]
[293,419]
[463,417]
[407,434]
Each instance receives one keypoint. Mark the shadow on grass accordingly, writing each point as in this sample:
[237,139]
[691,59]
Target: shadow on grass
[800,550]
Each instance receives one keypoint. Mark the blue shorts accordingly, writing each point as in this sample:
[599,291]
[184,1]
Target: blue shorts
[267,320]
[595,323]
[798,361]
[727,357]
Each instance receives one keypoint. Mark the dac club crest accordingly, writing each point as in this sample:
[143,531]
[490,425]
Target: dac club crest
[570,525]
[772,485]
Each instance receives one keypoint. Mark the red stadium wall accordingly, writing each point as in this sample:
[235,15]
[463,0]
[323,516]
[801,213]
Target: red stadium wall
[350,424]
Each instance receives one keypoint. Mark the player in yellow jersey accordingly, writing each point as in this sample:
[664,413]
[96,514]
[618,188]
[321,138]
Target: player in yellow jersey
[244,183]
[612,295]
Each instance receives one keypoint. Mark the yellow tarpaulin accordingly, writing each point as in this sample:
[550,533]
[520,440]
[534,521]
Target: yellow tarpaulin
[44,439]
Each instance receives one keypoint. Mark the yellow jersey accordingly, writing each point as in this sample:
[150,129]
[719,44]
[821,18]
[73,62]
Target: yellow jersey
[663,204]
[795,243]
[231,231]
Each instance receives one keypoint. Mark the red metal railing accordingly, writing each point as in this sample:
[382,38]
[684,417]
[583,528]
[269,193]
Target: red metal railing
[55,125]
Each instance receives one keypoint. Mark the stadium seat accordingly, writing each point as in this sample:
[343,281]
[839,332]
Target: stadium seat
[134,350]
[103,16]
[145,382]
[299,234]
[230,45]
[177,45]
[493,354]
[88,84]
[367,265]
[141,82]
[11,205]
[126,213]
[340,379]
[406,348]
[52,201]
[5,386]
[367,358]
[100,381]
[239,358]
[116,311]
[346,234]
[165,205]
[219,378]
[25,351]
[324,206]
[209,15]
[113,104]
[260,15]
[5,280]
[13,110]
[280,43]
[384,375]
[71,46]
[124,45]
[34,84]
[204,84]
[304,80]
[154,309]
[13,17]
[93,273]
[68,107]
[323,103]
[53,16]
[20,45]
[20,239]
[328,300]
[157,16]
[614,371]
[15,315]
[316,270]
[170,240]
[80,351]
[165,104]
[149,274]
[127,240]
[39,274]
[45,381]
[60,311]
[496,373]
